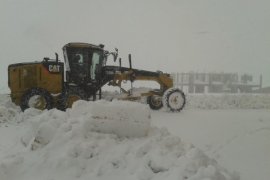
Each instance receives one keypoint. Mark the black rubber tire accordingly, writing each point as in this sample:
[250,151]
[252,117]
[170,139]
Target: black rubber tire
[63,102]
[166,98]
[152,104]
[60,103]
[36,91]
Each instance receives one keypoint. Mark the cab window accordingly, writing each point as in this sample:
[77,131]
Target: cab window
[96,58]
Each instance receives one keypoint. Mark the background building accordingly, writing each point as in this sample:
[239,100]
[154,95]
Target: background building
[217,82]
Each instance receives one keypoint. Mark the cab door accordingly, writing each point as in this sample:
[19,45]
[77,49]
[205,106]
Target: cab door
[96,64]
[79,62]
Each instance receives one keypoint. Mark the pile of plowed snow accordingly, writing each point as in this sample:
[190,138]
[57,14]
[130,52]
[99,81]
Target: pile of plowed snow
[8,110]
[103,140]
[228,101]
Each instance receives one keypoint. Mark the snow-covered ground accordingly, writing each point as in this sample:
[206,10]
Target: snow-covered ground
[237,139]
[124,140]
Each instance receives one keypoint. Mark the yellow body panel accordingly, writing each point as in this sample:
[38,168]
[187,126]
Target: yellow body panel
[32,75]
[164,81]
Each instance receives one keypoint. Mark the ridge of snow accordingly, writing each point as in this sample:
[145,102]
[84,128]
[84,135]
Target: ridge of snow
[71,145]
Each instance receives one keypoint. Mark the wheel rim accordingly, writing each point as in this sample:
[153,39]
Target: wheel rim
[176,101]
[37,102]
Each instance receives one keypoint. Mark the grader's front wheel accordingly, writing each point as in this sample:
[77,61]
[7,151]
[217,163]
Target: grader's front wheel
[174,99]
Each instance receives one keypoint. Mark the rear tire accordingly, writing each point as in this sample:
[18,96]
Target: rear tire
[69,97]
[155,102]
[174,99]
[36,98]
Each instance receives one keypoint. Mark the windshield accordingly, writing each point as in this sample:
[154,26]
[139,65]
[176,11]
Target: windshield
[84,64]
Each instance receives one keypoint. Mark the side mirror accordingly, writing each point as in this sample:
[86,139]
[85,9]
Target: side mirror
[114,54]
[130,63]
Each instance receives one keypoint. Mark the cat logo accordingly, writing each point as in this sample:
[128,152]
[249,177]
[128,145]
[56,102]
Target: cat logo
[54,68]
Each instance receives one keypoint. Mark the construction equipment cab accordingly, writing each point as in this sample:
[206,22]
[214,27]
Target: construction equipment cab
[83,63]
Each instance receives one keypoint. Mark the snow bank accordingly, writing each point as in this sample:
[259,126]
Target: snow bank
[228,101]
[77,145]
[8,111]
[123,118]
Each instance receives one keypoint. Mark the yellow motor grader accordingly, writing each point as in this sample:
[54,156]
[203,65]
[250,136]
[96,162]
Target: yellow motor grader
[53,84]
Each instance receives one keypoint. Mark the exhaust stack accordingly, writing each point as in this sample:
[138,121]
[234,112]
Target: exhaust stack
[129,58]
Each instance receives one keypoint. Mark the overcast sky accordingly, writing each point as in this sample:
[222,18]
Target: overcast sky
[168,35]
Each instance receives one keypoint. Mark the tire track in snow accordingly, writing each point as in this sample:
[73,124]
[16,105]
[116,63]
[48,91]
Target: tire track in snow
[219,148]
